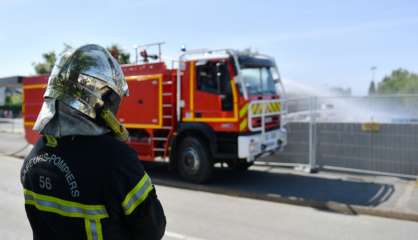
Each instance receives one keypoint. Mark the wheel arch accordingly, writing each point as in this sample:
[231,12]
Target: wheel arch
[201,131]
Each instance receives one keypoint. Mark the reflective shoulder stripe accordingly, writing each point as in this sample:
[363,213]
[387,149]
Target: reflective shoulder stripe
[64,207]
[137,195]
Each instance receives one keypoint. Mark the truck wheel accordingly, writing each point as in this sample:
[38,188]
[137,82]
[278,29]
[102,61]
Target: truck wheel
[194,162]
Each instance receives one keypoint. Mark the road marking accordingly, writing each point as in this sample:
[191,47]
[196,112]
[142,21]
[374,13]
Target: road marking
[180,236]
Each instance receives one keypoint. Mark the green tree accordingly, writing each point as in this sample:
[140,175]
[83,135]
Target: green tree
[119,54]
[372,88]
[49,58]
[45,67]
[14,100]
[400,81]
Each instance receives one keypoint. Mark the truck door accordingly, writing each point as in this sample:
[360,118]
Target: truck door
[213,94]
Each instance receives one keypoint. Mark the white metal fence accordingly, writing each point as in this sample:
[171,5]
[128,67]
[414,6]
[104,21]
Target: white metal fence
[11,125]
[376,134]
[349,109]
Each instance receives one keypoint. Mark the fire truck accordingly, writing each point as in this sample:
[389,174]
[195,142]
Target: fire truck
[210,106]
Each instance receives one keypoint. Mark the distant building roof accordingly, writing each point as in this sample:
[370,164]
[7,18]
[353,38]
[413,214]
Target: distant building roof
[14,81]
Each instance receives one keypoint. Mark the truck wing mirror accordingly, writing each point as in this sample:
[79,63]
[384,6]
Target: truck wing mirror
[234,67]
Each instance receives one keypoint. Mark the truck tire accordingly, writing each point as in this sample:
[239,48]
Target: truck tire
[194,163]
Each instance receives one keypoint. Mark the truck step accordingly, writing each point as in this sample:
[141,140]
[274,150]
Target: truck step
[167,94]
[159,150]
[167,105]
[168,83]
[159,139]
[167,116]
[166,127]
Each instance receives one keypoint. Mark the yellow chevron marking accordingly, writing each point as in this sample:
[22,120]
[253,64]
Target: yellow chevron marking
[243,124]
[270,107]
[276,106]
[256,109]
[243,110]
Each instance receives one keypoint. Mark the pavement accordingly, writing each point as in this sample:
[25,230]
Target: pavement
[196,215]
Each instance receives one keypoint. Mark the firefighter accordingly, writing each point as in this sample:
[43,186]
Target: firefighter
[81,181]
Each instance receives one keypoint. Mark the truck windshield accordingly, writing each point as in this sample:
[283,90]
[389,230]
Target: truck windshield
[259,80]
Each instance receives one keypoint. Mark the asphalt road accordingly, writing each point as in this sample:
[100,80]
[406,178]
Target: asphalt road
[198,215]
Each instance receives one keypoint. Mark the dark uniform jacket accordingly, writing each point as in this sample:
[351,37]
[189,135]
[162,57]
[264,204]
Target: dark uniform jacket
[89,187]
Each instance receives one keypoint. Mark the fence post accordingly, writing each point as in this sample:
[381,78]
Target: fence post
[313,105]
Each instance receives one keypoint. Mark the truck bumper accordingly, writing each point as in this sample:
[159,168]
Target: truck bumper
[253,146]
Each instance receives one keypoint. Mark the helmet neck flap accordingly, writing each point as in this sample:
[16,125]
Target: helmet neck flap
[61,120]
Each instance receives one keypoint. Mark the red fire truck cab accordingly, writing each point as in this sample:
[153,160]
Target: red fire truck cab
[215,106]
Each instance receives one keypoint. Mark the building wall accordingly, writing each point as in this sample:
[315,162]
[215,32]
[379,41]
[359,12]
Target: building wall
[2,96]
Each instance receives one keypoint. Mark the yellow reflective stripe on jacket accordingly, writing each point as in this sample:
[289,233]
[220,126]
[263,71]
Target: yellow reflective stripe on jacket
[91,213]
[64,207]
[137,195]
[93,229]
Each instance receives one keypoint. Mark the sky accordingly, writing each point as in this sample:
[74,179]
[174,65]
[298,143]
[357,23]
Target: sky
[317,43]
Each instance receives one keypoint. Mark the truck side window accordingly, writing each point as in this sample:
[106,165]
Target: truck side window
[206,77]
[214,77]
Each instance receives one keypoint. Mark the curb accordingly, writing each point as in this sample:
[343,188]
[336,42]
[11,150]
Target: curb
[325,206]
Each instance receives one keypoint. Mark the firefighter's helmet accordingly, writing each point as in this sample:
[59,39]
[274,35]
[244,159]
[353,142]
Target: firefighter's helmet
[88,80]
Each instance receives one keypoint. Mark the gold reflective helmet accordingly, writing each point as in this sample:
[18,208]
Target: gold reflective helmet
[88,84]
